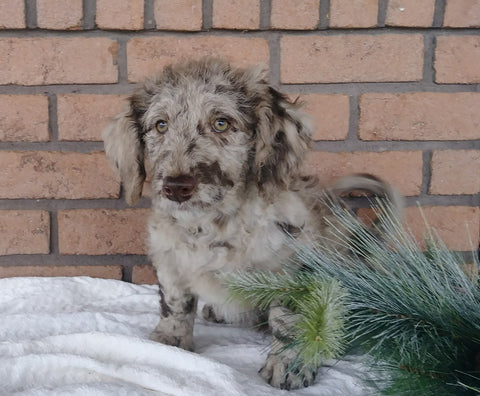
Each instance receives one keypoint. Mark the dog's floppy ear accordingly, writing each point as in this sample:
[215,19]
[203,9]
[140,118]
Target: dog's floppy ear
[125,149]
[283,136]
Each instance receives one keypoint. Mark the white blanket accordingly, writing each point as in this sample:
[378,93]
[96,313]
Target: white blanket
[85,336]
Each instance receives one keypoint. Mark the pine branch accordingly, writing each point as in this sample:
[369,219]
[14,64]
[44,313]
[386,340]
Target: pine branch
[321,328]
[416,312]
[319,334]
[261,288]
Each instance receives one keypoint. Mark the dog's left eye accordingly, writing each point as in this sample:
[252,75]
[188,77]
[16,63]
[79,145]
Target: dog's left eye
[161,126]
[220,125]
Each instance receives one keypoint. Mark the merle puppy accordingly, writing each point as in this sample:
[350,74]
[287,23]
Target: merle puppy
[224,152]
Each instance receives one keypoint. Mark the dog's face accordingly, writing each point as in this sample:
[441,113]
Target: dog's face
[198,141]
[207,130]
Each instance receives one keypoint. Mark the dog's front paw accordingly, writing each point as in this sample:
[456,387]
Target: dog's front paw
[185,342]
[280,372]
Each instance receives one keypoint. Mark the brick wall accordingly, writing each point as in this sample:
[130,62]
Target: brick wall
[393,87]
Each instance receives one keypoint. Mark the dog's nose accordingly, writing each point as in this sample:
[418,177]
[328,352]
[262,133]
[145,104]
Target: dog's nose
[179,188]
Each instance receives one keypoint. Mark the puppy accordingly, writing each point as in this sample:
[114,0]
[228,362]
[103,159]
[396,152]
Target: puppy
[224,152]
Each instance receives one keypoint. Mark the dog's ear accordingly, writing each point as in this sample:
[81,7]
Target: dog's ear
[283,136]
[125,149]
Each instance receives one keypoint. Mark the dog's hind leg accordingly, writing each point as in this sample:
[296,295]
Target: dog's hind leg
[283,368]
[178,310]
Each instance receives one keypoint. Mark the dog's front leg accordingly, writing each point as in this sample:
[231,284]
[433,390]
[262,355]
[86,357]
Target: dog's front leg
[178,309]
[283,368]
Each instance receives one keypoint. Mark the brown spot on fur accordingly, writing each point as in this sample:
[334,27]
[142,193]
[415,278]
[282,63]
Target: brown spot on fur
[289,229]
[191,146]
[165,309]
[190,305]
[220,244]
[280,151]
[212,174]
[220,221]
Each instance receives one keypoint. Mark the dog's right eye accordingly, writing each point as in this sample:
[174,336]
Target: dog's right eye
[220,125]
[161,126]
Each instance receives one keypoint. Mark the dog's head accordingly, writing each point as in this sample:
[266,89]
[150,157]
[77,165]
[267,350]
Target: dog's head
[207,130]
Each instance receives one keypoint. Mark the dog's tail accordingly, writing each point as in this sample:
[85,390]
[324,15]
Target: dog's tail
[372,185]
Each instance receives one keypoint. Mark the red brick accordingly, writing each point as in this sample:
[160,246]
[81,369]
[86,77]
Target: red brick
[144,274]
[330,115]
[58,61]
[353,14]
[457,59]
[295,15]
[24,118]
[24,232]
[120,14]
[83,116]
[402,169]
[455,172]
[351,58]
[59,14]
[178,15]
[236,14]
[94,271]
[149,55]
[46,174]
[411,13]
[462,13]
[102,231]
[471,270]
[420,116]
[12,14]
[457,226]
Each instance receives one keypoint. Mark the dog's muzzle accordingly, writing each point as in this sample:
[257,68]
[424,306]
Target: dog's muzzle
[179,188]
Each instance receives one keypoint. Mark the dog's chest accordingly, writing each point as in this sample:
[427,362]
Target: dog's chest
[205,244]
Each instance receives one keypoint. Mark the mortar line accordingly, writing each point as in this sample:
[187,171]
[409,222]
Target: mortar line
[30,14]
[265,14]
[116,34]
[122,61]
[439,13]
[70,204]
[275,60]
[428,58]
[62,260]
[54,248]
[87,147]
[53,117]
[207,14]
[382,13]
[127,272]
[427,156]
[149,21]
[324,15]
[89,14]
[354,118]
[125,88]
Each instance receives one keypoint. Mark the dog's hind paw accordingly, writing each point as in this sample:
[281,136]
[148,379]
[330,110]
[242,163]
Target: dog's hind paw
[209,314]
[280,373]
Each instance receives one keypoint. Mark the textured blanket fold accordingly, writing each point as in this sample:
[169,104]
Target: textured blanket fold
[84,336]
